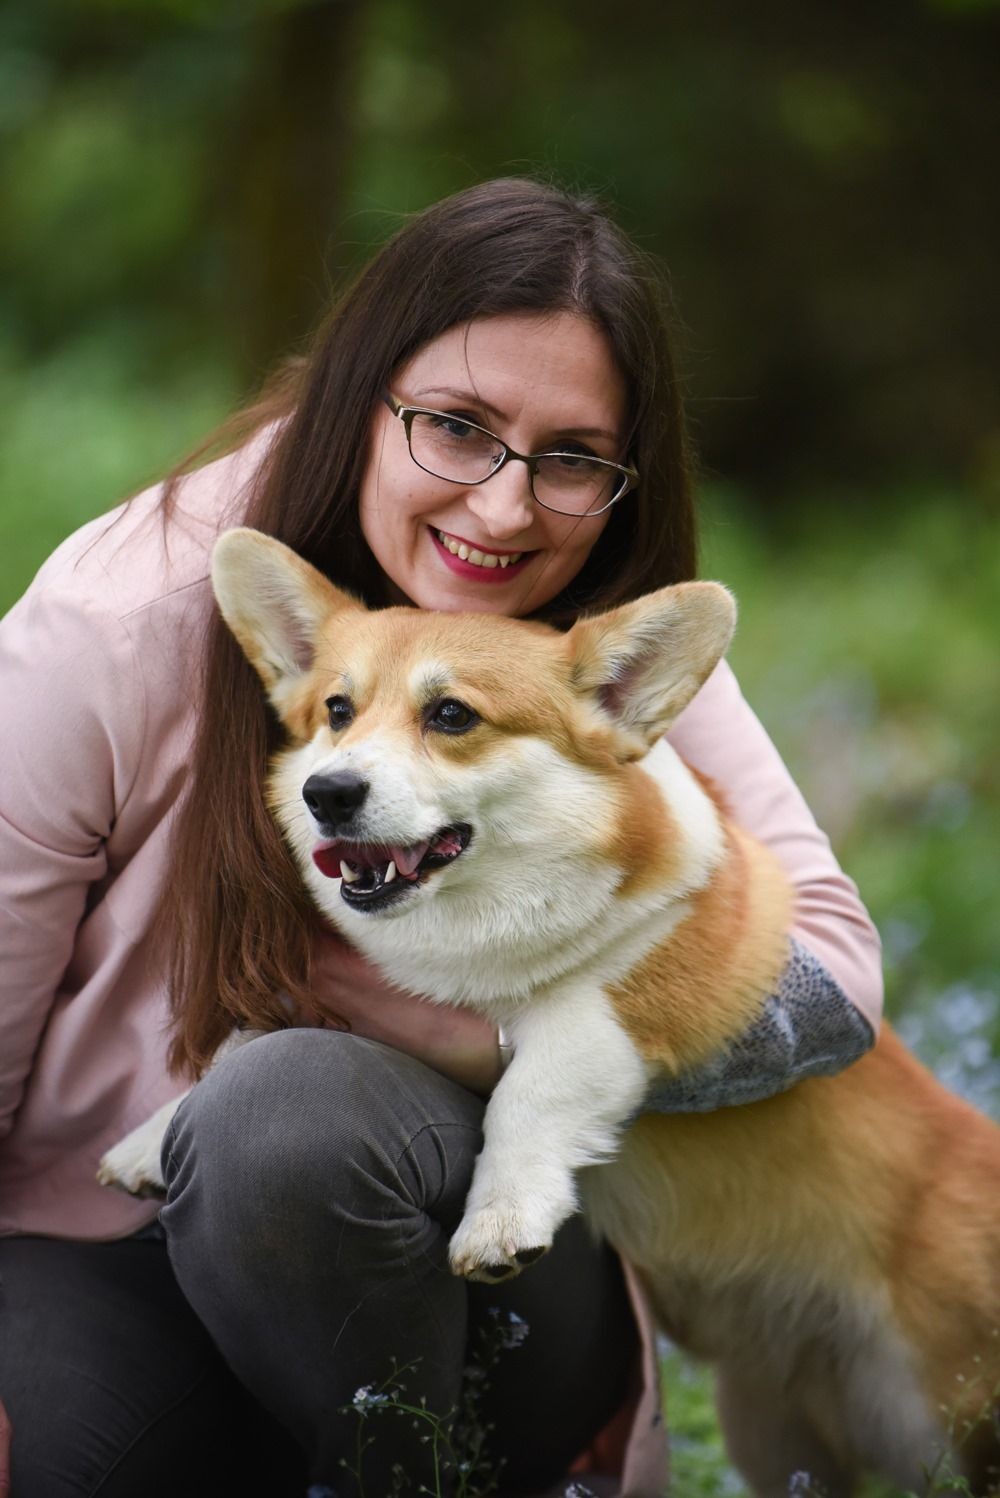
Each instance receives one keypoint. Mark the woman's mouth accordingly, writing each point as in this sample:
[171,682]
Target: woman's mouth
[473,562]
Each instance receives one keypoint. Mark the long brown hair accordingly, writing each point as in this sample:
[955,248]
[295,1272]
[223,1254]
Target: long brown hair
[238,927]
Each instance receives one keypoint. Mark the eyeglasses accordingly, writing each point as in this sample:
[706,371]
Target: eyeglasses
[460,452]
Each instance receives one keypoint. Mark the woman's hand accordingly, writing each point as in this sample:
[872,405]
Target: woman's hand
[460,1044]
[4,1452]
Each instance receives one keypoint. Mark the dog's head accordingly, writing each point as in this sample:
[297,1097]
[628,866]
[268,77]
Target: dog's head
[432,754]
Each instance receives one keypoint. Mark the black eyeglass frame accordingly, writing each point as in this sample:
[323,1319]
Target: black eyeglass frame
[630,476]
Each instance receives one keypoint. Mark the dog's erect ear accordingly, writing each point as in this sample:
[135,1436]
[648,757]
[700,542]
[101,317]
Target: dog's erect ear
[275,604]
[644,662]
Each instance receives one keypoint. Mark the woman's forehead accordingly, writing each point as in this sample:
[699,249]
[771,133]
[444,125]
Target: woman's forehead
[554,367]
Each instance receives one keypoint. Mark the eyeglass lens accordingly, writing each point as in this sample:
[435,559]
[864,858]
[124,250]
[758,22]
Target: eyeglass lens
[455,450]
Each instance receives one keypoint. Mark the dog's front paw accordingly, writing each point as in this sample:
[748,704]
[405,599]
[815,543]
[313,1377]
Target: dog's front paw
[135,1171]
[498,1240]
[133,1165]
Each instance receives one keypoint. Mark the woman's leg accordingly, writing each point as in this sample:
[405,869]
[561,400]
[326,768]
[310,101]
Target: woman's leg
[314,1180]
[113,1386]
[549,1397]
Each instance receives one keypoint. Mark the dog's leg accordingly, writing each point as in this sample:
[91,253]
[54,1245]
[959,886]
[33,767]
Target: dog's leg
[133,1165]
[575,1079]
[769,1440]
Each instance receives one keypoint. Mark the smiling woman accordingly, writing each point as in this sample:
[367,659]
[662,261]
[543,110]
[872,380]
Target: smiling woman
[547,381]
[489,422]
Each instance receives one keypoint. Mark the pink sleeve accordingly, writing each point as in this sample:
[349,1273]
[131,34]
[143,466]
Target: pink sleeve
[69,737]
[719,735]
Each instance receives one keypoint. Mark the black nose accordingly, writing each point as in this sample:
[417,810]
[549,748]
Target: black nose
[334,799]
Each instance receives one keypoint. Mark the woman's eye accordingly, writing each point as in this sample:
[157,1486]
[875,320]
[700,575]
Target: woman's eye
[453,426]
[452,716]
[572,457]
[341,712]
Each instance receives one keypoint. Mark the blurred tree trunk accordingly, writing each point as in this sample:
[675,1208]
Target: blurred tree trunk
[284,173]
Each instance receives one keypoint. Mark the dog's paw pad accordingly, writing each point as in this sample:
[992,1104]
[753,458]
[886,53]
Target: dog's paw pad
[529,1255]
[502,1237]
[494,1273]
[148,1191]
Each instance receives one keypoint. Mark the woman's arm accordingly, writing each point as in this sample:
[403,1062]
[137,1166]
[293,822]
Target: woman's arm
[69,735]
[827,1008]
[459,1043]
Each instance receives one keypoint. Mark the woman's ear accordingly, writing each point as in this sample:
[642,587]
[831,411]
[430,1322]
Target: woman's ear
[275,603]
[643,662]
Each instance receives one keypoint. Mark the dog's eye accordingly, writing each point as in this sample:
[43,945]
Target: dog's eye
[341,712]
[451,716]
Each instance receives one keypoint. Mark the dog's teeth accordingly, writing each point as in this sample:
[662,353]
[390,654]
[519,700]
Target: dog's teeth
[505,561]
[390,873]
[464,552]
[347,874]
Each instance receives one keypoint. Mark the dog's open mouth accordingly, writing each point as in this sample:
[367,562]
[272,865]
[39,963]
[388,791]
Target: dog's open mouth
[374,874]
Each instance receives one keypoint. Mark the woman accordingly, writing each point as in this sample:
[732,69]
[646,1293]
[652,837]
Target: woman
[315,1176]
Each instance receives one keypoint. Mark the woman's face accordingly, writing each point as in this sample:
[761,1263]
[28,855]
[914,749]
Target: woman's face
[539,382]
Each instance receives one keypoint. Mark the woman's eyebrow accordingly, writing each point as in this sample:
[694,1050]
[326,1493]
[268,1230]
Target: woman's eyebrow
[469,398]
[464,397]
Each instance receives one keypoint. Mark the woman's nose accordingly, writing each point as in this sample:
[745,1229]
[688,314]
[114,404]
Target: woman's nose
[504,503]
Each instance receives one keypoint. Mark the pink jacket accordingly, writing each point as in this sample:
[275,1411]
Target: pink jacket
[99,666]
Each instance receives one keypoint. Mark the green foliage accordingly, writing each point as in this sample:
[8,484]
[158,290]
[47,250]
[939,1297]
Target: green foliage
[813,176]
[99,195]
[85,427]
[698,1462]
[869,652]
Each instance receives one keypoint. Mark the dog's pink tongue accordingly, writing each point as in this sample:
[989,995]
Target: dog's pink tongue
[368,856]
[327,860]
[407,859]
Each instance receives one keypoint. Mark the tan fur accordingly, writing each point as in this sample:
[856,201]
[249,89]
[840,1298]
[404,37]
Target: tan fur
[642,840]
[719,966]
[374,669]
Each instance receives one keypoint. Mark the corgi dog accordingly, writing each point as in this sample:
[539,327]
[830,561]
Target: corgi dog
[487,809]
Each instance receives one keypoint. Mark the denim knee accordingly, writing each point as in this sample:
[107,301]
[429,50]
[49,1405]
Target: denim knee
[307,1122]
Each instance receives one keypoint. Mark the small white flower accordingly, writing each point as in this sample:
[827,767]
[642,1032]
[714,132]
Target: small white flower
[365,1398]
[515,1331]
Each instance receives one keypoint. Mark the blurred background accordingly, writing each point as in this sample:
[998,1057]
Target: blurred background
[185,182]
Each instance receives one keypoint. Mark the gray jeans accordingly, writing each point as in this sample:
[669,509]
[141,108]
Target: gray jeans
[314,1179]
